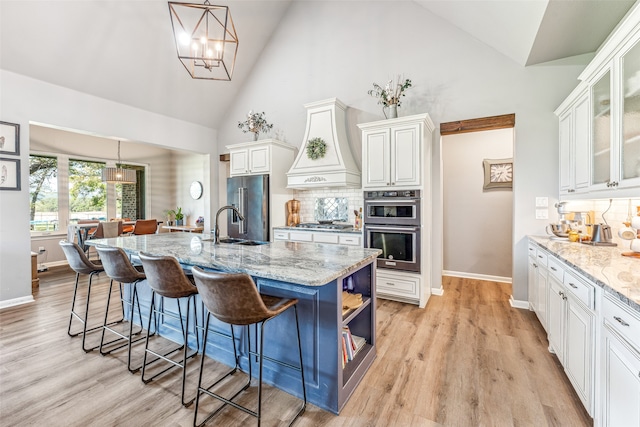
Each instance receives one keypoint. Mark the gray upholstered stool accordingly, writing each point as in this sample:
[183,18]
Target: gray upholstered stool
[79,262]
[167,279]
[118,267]
[234,299]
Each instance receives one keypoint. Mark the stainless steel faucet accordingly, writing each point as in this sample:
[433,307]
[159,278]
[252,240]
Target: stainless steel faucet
[216,229]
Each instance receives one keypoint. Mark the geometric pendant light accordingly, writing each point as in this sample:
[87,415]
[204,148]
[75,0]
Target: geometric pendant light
[206,39]
[118,175]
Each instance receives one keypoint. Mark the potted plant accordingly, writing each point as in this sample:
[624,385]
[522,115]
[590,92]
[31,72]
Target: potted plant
[390,95]
[255,123]
[177,214]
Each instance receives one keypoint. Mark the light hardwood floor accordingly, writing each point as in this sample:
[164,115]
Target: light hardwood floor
[468,359]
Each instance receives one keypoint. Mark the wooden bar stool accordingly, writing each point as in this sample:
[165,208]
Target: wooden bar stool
[79,263]
[234,299]
[167,279]
[118,267]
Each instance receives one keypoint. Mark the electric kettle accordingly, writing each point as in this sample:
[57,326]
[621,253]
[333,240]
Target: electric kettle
[601,233]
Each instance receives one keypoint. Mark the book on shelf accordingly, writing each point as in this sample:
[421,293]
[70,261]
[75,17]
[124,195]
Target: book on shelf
[351,345]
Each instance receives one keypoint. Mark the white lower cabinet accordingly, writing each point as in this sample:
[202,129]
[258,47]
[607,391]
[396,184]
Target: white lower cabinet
[556,318]
[532,274]
[620,374]
[571,328]
[397,286]
[579,350]
[538,283]
[351,239]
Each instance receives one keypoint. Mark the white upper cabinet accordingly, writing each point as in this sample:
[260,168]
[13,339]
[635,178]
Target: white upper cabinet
[395,152]
[611,129]
[574,117]
[259,157]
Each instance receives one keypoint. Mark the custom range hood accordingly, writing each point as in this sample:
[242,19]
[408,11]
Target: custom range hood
[325,158]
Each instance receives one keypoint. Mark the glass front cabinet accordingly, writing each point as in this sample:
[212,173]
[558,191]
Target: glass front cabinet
[612,131]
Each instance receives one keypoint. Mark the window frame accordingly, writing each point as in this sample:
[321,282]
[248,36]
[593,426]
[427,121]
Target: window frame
[64,214]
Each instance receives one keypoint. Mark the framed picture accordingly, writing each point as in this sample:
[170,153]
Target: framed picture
[9,138]
[9,174]
[498,173]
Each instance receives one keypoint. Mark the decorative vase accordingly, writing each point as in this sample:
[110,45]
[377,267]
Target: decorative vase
[393,111]
[255,136]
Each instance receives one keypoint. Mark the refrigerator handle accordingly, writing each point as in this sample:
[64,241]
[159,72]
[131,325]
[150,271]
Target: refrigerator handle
[242,195]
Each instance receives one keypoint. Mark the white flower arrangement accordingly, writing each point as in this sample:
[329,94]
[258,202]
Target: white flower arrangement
[392,91]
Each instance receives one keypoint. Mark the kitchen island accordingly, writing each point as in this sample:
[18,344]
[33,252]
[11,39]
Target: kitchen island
[316,274]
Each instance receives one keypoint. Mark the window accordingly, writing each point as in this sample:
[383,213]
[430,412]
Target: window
[43,193]
[63,191]
[87,192]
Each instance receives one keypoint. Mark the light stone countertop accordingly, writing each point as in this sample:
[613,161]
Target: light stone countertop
[604,265]
[308,264]
[321,230]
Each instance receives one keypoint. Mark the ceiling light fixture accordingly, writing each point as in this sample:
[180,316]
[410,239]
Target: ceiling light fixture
[206,39]
[118,175]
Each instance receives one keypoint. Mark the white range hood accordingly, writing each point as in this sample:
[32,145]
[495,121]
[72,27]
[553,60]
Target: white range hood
[326,120]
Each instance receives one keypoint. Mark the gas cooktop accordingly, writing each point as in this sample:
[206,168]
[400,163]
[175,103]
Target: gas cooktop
[324,226]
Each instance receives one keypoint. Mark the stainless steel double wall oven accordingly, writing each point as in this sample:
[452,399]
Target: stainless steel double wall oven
[392,224]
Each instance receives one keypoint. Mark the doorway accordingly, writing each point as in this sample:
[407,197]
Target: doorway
[477,174]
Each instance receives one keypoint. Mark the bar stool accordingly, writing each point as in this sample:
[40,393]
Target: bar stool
[118,267]
[167,279]
[79,262]
[234,299]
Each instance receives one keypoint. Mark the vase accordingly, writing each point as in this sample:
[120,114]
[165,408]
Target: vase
[393,111]
[255,136]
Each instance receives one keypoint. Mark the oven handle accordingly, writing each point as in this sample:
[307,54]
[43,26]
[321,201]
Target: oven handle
[387,228]
[404,202]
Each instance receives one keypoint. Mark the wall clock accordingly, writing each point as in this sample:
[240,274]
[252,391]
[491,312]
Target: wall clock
[196,190]
[498,173]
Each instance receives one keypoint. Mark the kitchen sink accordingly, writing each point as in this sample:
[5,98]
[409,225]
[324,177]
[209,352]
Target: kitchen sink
[231,240]
[234,241]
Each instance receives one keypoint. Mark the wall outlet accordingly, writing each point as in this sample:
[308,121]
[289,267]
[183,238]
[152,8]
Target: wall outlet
[542,214]
[542,202]
[41,249]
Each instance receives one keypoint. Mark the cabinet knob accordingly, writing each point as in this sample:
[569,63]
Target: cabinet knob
[621,321]
[535,265]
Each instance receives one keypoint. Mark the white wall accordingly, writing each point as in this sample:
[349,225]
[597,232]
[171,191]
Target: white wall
[338,49]
[477,222]
[23,101]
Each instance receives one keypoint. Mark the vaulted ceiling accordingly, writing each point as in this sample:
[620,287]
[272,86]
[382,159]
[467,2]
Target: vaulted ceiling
[124,51]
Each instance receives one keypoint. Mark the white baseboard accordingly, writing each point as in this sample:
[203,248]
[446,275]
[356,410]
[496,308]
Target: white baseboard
[476,276]
[16,301]
[437,291]
[518,303]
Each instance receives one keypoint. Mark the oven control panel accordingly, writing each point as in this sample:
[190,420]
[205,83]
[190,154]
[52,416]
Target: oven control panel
[407,194]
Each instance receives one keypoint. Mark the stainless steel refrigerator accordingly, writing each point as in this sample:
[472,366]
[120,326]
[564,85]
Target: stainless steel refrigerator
[250,195]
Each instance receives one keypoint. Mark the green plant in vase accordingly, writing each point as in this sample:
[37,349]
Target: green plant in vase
[177,214]
[255,123]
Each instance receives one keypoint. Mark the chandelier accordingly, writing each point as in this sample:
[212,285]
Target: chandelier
[206,39]
[118,175]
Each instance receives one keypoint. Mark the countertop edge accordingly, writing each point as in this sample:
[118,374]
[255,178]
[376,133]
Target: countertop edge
[540,241]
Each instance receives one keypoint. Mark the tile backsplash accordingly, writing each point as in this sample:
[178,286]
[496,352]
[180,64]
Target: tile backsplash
[308,198]
[614,215]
